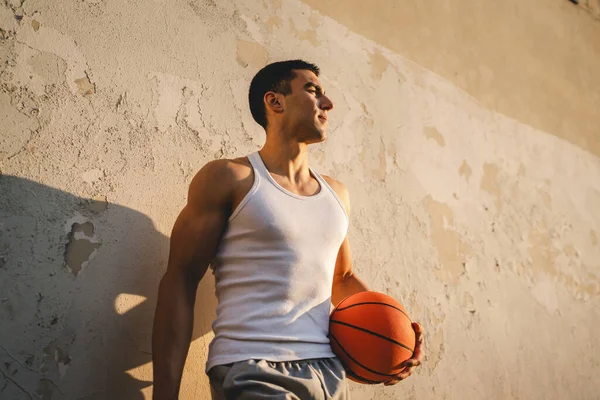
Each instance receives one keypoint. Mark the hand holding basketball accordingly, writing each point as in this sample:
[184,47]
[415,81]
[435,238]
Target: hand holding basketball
[375,339]
[412,363]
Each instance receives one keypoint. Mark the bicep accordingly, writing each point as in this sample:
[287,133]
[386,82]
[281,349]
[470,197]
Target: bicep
[343,262]
[195,239]
[200,225]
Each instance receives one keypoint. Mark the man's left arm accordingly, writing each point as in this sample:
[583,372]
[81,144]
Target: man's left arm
[346,283]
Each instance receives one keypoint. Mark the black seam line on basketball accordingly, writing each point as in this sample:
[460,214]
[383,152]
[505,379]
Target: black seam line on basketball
[359,364]
[333,321]
[373,302]
[360,378]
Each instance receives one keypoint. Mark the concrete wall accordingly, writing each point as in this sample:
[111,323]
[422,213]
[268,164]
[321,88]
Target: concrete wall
[466,132]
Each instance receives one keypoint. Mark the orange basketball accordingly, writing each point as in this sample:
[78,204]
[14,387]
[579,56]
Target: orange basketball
[372,335]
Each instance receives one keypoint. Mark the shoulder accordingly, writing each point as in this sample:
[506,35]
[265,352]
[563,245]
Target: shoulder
[220,177]
[340,189]
[222,172]
[336,185]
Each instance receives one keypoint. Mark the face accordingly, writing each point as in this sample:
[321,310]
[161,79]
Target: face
[306,108]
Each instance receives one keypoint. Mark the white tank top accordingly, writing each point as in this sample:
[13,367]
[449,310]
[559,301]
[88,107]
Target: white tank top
[274,271]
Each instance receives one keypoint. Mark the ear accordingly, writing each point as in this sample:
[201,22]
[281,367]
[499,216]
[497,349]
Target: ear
[274,102]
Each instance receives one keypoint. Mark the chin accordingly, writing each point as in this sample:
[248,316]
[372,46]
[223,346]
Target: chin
[313,134]
[318,138]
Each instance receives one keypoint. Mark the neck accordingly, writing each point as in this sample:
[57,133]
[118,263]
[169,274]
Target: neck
[285,157]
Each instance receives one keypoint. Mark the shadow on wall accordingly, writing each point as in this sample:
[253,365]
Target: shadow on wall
[78,285]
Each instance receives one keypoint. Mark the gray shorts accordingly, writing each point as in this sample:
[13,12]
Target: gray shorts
[316,379]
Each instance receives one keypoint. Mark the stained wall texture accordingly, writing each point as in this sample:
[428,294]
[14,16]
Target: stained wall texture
[467,135]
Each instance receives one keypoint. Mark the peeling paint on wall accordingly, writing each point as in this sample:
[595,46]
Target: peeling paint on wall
[489,183]
[465,170]
[309,35]
[378,65]
[81,246]
[452,251]
[431,132]
[251,53]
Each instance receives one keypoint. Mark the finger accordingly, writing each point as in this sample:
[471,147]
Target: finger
[418,352]
[410,363]
[409,369]
[391,382]
[418,332]
[402,376]
[417,327]
[405,374]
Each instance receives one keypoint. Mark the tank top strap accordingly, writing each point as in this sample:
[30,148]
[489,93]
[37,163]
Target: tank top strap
[318,177]
[325,186]
[257,164]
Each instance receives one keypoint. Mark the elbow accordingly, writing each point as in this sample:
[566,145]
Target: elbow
[344,278]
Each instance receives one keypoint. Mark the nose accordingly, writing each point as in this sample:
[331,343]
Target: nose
[325,103]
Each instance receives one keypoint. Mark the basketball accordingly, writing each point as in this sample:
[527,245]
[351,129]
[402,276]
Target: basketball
[372,335]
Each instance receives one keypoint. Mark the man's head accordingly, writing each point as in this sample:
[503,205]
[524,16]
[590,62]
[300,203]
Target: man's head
[288,94]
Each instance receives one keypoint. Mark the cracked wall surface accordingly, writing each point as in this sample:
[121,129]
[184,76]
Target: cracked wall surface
[467,137]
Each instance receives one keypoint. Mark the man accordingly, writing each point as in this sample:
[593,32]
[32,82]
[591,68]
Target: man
[275,233]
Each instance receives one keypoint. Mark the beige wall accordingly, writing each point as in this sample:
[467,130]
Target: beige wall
[536,63]
[467,136]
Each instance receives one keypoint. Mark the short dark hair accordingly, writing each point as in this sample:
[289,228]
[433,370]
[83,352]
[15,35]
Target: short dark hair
[276,78]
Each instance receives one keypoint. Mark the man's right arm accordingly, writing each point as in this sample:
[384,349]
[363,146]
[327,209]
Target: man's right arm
[194,242]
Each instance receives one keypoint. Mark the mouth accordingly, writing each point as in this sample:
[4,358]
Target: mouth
[323,118]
